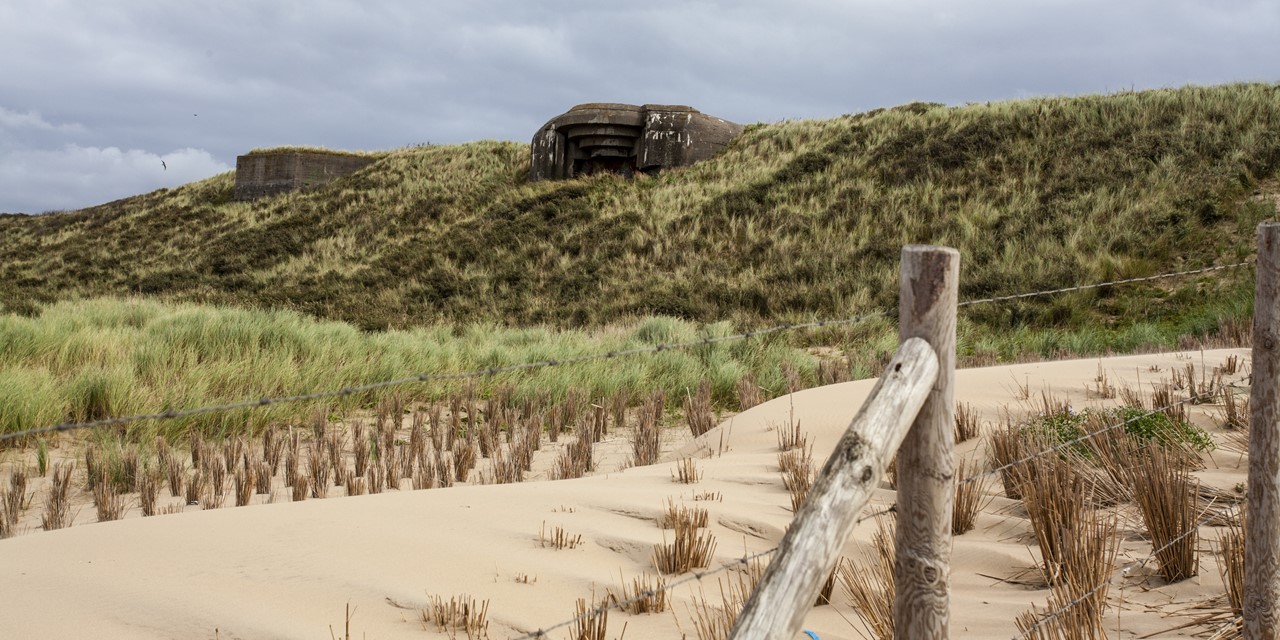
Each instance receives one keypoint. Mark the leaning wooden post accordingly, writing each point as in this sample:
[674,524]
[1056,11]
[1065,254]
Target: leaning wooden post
[928,285]
[1262,526]
[789,587]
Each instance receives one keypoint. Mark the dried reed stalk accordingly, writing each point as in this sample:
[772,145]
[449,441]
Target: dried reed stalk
[1056,498]
[697,409]
[175,470]
[686,471]
[8,516]
[797,474]
[1167,497]
[360,447]
[194,486]
[714,622]
[1006,445]
[107,499]
[301,487]
[1077,605]
[646,440]
[558,538]
[464,459]
[590,622]
[262,478]
[148,488]
[460,613]
[971,495]
[245,479]
[966,422]
[272,449]
[675,515]
[749,392]
[646,594]
[318,466]
[217,475]
[868,581]
[57,507]
[691,548]
[355,485]
[1231,566]
[374,479]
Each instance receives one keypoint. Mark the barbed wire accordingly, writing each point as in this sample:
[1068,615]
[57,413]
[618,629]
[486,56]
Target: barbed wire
[173,414]
[694,576]
[1084,287]
[1123,570]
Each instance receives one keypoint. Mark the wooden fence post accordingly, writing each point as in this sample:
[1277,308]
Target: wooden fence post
[1262,524]
[928,289]
[789,587]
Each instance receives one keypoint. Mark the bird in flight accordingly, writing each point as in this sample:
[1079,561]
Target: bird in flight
[162,164]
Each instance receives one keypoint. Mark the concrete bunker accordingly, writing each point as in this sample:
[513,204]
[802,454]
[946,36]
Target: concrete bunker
[624,138]
[267,173]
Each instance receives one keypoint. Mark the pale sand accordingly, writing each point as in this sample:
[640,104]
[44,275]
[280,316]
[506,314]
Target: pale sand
[288,570]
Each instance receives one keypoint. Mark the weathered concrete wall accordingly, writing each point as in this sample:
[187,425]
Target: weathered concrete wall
[268,173]
[623,138]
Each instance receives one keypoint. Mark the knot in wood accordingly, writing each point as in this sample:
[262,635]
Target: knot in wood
[866,474]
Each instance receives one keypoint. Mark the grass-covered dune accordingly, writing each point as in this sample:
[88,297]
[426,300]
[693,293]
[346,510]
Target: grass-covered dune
[445,258]
[794,220]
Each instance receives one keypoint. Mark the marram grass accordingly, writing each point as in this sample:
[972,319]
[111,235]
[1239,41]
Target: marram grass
[94,359]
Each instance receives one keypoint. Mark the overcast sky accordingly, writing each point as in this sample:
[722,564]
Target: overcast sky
[95,95]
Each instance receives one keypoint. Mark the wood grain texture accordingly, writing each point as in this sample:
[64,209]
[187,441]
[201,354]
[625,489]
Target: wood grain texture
[812,545]
[928,289]
[1262,527]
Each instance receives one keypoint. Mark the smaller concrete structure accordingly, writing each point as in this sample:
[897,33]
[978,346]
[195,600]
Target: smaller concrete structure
[267,173]
[624,138]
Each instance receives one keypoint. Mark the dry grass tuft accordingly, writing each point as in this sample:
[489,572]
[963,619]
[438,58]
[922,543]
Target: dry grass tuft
[749,392]
[697,409]
[148,488]
[558,539]
[966,421]
[797,474]
[590,622]
[868,582]
[1078,601]
[244,480]
[1167,497]
[1078,547]
[464,459]
[460,613]
[971,495]
[193,488]
[1004,446]
[714,622]
[646,440]
[645,594]
[301,487]
[1056,498]
[675,515]
[107,499]
[318,465]
[57,506]
[687,471]
[690,549]
[1231,566]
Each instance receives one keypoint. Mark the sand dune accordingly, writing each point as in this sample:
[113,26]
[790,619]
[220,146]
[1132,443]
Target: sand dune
[289,570]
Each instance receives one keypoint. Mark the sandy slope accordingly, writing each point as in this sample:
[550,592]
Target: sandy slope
[288,570]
